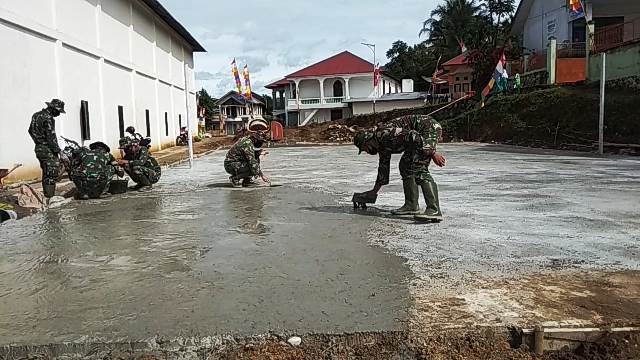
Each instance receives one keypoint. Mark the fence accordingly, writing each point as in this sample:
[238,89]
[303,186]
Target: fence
[613,36]
[574,50]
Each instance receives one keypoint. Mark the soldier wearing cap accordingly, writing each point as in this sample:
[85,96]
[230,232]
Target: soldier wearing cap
[416,138]
[243,159]
[138,163]
[43,132]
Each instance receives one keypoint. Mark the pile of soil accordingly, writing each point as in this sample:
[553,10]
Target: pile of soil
[611,347]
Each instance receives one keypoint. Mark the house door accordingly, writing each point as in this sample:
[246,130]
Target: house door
[336,114]
[337,90]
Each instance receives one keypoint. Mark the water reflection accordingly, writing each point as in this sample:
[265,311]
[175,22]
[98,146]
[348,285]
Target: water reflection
[246,207]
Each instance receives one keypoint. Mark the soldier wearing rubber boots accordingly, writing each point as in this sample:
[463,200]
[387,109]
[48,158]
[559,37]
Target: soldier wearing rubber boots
[416,138]
[43,133]
[243,159]
[138,163]
[92,170]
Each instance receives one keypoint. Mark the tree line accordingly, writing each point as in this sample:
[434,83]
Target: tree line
[483,26]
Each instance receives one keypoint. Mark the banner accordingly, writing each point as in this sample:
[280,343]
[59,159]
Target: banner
[499,77]
[247,83]
[236,75]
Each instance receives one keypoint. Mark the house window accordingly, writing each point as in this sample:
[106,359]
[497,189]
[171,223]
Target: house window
[166,124]
[337,89]
[457,88]
[148,122]
[457,78]
[84,120]
[466,78]
[384,87]
[121,120]
[180,121]
[465,87]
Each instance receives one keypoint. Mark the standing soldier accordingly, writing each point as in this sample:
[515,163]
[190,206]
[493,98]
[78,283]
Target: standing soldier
[416,137]
[43,133]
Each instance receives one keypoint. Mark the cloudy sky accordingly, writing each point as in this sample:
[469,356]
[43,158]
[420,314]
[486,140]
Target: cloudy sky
[277,37]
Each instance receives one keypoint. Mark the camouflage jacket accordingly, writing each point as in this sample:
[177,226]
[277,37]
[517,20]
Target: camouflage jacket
[245,152]
[411,132]
[143,158]
[89,164]
[43,130]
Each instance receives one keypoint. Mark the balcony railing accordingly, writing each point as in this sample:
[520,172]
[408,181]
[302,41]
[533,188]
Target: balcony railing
[613,36]
[310,102]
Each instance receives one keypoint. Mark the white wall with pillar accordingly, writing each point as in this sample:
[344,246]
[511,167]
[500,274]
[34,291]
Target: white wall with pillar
[118,55]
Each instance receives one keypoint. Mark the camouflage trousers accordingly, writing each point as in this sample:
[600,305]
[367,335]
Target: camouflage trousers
[92,187]
[143,175]
[415,163]
[49,163]
[239,170]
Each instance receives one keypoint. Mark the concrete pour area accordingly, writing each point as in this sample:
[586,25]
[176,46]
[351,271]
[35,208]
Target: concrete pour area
[528,237]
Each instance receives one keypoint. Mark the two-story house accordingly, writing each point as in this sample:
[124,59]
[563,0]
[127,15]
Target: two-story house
[326,90]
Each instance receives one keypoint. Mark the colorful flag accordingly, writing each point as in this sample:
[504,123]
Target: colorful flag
[499,76]
[576,8]
[236,75]
[376,76]
[463,47]
[247,83]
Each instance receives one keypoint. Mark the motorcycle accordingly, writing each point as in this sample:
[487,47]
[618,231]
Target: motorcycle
[183,138]
[143,141]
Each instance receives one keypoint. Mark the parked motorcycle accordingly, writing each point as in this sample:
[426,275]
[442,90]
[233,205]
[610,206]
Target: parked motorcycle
[183,138]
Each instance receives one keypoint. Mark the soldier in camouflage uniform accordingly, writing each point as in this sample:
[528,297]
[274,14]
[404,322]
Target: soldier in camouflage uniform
[243,159]
[416,137]
[43,133]
[138,163]
[92,170]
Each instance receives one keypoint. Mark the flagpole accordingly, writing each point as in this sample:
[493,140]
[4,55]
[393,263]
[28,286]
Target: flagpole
[372,47]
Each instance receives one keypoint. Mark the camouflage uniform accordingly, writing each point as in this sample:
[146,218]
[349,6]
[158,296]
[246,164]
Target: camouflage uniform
[416,137]
[91,171]
[142,168]
[43,133]
[242,160]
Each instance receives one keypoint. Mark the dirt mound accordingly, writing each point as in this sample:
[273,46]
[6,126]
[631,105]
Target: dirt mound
[614,347]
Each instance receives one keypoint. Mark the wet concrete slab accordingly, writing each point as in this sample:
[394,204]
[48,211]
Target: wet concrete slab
[193,257]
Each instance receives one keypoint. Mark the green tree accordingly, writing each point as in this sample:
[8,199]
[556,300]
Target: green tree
[207,102]
[411,62]
[268,101]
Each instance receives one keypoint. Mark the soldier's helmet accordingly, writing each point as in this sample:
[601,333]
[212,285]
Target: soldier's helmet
[56,104]
[125,142]
[360,138]
[258,125]
[99,145]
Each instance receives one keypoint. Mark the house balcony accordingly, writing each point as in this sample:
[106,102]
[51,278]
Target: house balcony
[317,103]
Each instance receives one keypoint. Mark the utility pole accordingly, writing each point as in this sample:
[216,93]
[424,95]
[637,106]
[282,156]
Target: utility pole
[603,81]
[372,47]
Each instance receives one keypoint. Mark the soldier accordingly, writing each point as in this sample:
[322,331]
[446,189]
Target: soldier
[138,163]
[92,170]
[416,137]
[43,133]
[243,159]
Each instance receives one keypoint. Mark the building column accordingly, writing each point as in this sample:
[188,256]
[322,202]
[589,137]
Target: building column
[551,61]
[346,88]
[321,80]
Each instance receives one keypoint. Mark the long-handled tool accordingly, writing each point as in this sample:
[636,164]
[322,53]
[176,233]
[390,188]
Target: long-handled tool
[6,172]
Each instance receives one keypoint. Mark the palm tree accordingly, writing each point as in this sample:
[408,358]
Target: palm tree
[451,22]
[498,9]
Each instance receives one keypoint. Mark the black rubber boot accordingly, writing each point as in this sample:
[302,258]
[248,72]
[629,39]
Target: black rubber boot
[432,213]
[411,206]
[49,190]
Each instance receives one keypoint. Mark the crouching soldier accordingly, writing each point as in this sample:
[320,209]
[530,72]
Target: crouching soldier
[243,159]
[91,170]
[416,138]
[43,132]
[138,163]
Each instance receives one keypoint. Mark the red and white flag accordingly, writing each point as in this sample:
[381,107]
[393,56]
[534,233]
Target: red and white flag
[376,76]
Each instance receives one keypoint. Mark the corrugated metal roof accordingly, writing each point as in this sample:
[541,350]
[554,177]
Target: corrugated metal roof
[174,24]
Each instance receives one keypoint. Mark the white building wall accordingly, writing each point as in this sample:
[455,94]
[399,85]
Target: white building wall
[360,108]
[108,52]
[542,15]
[309,88]
[361,87]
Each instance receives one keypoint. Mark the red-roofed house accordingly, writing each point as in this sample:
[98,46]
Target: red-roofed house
[321,92]
[459,75]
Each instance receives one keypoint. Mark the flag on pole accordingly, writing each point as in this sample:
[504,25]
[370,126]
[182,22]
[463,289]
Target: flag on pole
[376,76]
[247,83]
[499,77]
[576,8]
[236,75]
[463,47]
